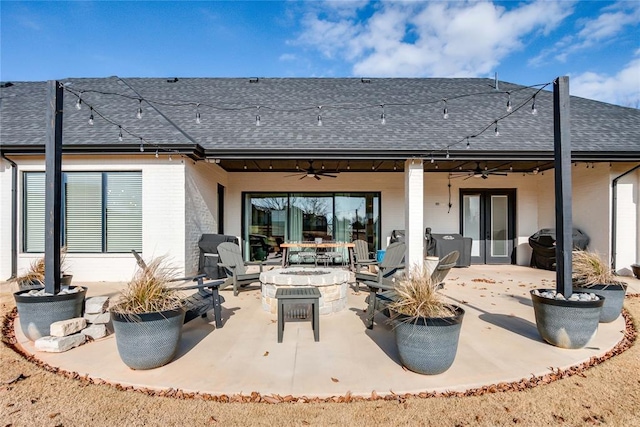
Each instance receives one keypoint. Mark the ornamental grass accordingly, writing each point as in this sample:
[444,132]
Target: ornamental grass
[149,290]
[590,269]
[417,296]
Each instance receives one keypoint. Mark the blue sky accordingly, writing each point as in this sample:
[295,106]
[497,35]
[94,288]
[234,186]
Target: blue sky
[596,43]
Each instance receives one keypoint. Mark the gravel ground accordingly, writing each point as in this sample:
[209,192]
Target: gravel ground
[608,393]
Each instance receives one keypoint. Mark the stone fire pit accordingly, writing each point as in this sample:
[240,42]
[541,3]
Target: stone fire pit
[331,282]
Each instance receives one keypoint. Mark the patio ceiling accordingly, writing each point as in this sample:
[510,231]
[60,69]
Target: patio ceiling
[379,165]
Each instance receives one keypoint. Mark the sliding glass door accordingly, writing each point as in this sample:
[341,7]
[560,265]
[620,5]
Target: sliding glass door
[274,218]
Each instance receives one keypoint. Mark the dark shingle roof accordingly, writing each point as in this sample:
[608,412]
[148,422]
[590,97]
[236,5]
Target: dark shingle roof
[351,116]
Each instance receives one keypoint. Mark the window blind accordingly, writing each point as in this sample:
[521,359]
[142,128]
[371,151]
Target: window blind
[124,211]
[34,212]
[83,208]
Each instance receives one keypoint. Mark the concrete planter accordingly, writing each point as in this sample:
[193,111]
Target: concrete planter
[613,300]
[148,340]
[37,313]
[429,345]
[566,324]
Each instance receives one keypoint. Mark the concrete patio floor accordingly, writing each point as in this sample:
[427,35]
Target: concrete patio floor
[499,342]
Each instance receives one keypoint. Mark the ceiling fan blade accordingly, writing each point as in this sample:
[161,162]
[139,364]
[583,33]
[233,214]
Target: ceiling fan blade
[295,174]
[303,176]
[498,173]
[316,177]
[326,174]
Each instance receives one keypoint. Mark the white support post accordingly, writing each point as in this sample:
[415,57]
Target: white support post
[414,212]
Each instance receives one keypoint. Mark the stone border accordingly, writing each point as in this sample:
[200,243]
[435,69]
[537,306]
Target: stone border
[630,336]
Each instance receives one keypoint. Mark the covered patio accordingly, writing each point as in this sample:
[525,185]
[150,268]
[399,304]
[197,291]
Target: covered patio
[498,343]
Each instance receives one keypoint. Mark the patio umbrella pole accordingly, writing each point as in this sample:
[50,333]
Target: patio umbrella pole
[562,165]
[53,187]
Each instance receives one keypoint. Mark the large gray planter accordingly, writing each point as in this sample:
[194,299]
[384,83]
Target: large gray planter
[148,340]
[428,345]
[37,313]
[564,323]
[613,300]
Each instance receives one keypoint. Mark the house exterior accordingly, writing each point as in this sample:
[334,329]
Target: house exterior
[272,160]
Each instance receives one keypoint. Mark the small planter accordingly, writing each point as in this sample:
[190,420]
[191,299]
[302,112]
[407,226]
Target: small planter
[564,323]
[148,340]
[65,280]
[636,270]
[37,313]
[613,299]
[429,345]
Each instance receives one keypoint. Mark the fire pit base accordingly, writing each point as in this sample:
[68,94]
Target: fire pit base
[331,282]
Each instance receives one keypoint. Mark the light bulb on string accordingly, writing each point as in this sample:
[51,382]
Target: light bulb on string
[348,165]
[395,166]
[139,113]
[447,156]
[157,155]
[383,117]
[170,158]
[496,131]
[509,107]
[468,143]
[258,115]
[445,111]
[534,110]
[319,115]
[270,165]
[79,103]
[198,119]
[120,137]
[432,159]
[91,117]
[141,145]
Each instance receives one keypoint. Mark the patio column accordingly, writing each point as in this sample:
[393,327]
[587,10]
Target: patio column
[414,212]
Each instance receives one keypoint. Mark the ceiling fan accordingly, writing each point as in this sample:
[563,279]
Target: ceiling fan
[311,172]
[479,172]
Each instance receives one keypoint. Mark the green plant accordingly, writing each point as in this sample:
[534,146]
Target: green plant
[590,269]
[148,291]
[416,296]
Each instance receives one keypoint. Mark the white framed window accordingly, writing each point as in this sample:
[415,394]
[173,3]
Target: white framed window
[101,211]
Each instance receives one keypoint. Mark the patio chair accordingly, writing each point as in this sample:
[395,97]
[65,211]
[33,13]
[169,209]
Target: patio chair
[392,263]
[362,255]
[235,267]
[197,304]
[380,300]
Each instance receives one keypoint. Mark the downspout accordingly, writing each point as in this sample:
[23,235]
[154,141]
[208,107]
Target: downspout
[14,217]
[614,213]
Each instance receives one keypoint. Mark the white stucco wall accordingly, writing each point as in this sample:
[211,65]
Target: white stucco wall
[628,218]
[163,202]
[5,219]
[201,207]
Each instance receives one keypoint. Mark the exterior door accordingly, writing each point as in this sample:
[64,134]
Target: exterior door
[488,217]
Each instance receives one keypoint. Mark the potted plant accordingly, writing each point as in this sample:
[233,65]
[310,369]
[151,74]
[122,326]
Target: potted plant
[37,310]
[427,329]
[33,277]
[147,318]
[591,273]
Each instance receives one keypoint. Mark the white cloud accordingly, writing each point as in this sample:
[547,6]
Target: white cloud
[287,57]
[429,39]
[612,22]
[623,88]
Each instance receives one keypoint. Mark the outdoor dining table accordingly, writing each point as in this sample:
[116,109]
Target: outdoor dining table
[311,244]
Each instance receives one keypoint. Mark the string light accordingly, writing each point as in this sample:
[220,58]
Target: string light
[198,120]
[432,159]
[170,158]
[509,107]
[139,113]
[271,165]
[322,165]
[297,166]
[534,110]
[445,111]
[510,168]
[395,166]
[383,117]
[91,117]
[141,145]
[496,131]
[79,103]
[120,137]
[245,165]
[373,165]
[258,115]
[447,156]
[157,155]
[348,165]
[468,143]
[319,115]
